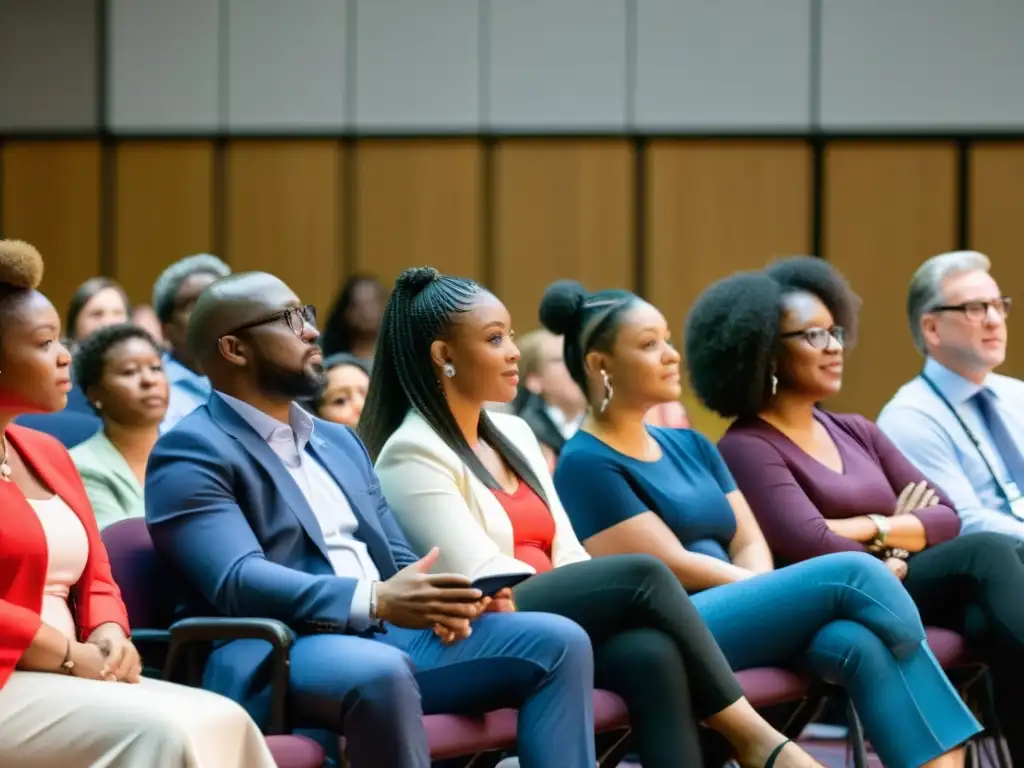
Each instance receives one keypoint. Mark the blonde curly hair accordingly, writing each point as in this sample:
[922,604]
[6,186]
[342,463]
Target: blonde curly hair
[21,266]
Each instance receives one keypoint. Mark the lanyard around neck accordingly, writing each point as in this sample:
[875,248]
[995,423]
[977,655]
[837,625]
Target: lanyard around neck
[970,434]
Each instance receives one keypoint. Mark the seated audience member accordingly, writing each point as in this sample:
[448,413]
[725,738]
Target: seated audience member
[630,487]
[64,702]
[97,303]
[341,399]
[548,400]
[144,317]
[766,348]
[476,485]
[354,321]
[174,295]
[120,369]
[282,516]
[959,422]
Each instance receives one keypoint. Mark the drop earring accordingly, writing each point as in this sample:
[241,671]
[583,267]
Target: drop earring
[448,370]
[609,391]
[775,385]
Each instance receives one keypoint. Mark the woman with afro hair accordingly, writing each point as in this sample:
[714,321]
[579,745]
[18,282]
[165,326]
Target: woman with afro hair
[629,487]
[766,348]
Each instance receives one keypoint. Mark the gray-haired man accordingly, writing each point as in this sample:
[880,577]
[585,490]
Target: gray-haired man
[959,422]
[174,295]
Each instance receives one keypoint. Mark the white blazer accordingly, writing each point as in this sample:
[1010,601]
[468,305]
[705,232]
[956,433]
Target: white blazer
[439,502]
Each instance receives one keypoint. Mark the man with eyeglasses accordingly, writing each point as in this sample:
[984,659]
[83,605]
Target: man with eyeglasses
[958,421]
[267,511]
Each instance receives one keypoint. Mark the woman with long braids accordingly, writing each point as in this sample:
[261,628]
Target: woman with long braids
[476,485]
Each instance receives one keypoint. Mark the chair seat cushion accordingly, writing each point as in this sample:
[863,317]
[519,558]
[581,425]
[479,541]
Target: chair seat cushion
[949,648]
[295,752]
[766,686]
[459,735]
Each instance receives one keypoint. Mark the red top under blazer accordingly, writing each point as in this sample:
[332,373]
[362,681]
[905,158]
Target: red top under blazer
[94,600]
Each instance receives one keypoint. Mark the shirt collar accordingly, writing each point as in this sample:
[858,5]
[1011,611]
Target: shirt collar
[177,373]
[298,430]
[955,387]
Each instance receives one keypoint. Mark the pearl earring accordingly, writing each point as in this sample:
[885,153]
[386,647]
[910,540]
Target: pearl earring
[449,370]
[775,385]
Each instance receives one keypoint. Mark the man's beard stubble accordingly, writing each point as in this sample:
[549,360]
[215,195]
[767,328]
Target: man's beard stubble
[278,381]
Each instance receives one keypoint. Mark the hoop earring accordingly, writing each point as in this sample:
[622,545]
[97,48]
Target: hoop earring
[775,385]
[609,391]
[448,370]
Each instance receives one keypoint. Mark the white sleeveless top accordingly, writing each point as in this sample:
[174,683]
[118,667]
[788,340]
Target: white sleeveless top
[68,549]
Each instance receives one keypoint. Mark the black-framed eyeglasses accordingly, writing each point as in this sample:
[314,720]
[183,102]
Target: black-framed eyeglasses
[976,311]
[819,338]
[297,318]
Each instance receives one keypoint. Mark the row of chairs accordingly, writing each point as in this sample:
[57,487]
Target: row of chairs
[181,647]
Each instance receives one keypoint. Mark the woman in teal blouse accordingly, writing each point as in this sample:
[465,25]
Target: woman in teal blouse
[120,370]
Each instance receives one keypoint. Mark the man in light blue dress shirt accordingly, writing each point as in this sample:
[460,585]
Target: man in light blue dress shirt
[174,295]
[958,421]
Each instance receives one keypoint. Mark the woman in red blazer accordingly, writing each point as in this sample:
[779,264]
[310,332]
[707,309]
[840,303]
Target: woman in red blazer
[70,687]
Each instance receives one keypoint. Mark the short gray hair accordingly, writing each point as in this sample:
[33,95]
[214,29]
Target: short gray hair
[166,287]
[926,285]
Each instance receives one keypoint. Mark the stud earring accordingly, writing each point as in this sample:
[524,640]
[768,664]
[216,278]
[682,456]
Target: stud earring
[448,370]
[775,385]
[609,391]
[98,405]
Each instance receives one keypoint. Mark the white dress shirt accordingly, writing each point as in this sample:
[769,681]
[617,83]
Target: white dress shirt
[349,556]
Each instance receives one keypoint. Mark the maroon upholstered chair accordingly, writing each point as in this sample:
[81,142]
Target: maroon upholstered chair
[146,592]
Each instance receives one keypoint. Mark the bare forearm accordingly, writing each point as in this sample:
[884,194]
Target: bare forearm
[906,531]
[47,651]
[696,571]
[754,557]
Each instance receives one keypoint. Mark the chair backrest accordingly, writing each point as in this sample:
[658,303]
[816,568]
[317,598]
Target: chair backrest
[67,426]
[145,581]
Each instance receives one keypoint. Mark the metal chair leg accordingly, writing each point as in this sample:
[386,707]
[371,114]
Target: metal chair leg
[856,737]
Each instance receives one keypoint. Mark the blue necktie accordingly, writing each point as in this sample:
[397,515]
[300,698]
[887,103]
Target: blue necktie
[1001,436]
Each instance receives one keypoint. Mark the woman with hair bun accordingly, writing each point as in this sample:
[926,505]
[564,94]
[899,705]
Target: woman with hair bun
[70,686]
[476,485]
[630,487]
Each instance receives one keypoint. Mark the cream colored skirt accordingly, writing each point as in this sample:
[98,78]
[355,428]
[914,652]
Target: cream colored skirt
[49,720]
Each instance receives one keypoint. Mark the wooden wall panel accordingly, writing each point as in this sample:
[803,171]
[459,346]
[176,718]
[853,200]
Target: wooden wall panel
[51,198]
[284,213]
[164,209]
[996,213]
[563,209]
[714,208]
[418,203]
[888,207]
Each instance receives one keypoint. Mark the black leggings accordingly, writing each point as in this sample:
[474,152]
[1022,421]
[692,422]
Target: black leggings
[974,585]
[651,647]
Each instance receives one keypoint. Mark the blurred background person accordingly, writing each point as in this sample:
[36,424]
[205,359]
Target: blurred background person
[347,379]
[549,401]
[121,371]
[354,321]
[143,316]
[174,296]
[98,302]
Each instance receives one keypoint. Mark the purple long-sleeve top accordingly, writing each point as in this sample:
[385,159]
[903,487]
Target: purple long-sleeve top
[792,494]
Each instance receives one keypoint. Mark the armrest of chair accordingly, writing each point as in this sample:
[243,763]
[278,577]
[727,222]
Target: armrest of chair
[190,635]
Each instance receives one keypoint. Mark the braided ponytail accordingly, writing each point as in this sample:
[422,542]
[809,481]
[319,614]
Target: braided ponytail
[421,310]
